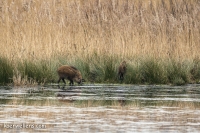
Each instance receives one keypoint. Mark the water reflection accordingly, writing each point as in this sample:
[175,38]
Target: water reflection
[100,108]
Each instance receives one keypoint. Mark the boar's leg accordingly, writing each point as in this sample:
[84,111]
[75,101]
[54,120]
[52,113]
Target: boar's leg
[59,80]
[71,82]
[121,76]
[63,79]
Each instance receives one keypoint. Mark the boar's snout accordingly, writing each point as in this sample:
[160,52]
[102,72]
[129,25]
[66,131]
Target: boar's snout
[79,80]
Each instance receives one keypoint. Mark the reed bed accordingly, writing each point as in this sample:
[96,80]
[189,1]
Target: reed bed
[158,38]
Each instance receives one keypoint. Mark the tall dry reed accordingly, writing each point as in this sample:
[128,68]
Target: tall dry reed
[34,29]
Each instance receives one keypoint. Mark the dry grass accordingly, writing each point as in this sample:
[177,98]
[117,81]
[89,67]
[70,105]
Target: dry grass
[34,29]
[19,80]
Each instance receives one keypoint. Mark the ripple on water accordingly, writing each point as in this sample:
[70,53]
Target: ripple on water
[153,108]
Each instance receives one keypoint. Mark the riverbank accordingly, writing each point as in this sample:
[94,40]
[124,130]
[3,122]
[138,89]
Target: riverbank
[103,70]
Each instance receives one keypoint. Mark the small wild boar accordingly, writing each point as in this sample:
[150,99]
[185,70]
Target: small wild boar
[122,70]
[69,72]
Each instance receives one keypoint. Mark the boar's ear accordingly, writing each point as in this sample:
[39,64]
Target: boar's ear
[83,80]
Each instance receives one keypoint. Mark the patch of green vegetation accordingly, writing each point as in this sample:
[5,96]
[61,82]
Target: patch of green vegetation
[177,73]
[109,69]
[6,70]
[103,69]
[98,69]
[153,71]
[195,70]
[41,71]
[133,75]
[83,67]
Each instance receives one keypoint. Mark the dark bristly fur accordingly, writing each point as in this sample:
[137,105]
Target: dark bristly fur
[71,73]
[122,70]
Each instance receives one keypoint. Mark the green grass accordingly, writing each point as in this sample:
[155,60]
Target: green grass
[40,71]
[178,73]
[109,69]
[97,69]
[153,71]
[6,71]
[132,75]
[195,71]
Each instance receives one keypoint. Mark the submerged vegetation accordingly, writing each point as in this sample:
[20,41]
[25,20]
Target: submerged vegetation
[159,40]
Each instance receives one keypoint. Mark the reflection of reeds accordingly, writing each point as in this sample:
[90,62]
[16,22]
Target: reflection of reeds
[106,103]
[128,30]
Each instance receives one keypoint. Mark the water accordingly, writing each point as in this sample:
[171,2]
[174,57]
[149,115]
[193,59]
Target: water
[100,108]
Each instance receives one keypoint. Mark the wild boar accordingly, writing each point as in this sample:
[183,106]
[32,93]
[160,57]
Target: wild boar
[69,72]
[122,70]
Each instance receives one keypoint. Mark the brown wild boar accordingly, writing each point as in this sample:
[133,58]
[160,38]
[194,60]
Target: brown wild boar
[122,70]
[69,72]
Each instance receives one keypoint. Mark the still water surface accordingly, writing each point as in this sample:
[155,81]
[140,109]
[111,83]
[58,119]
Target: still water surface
[100,108]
